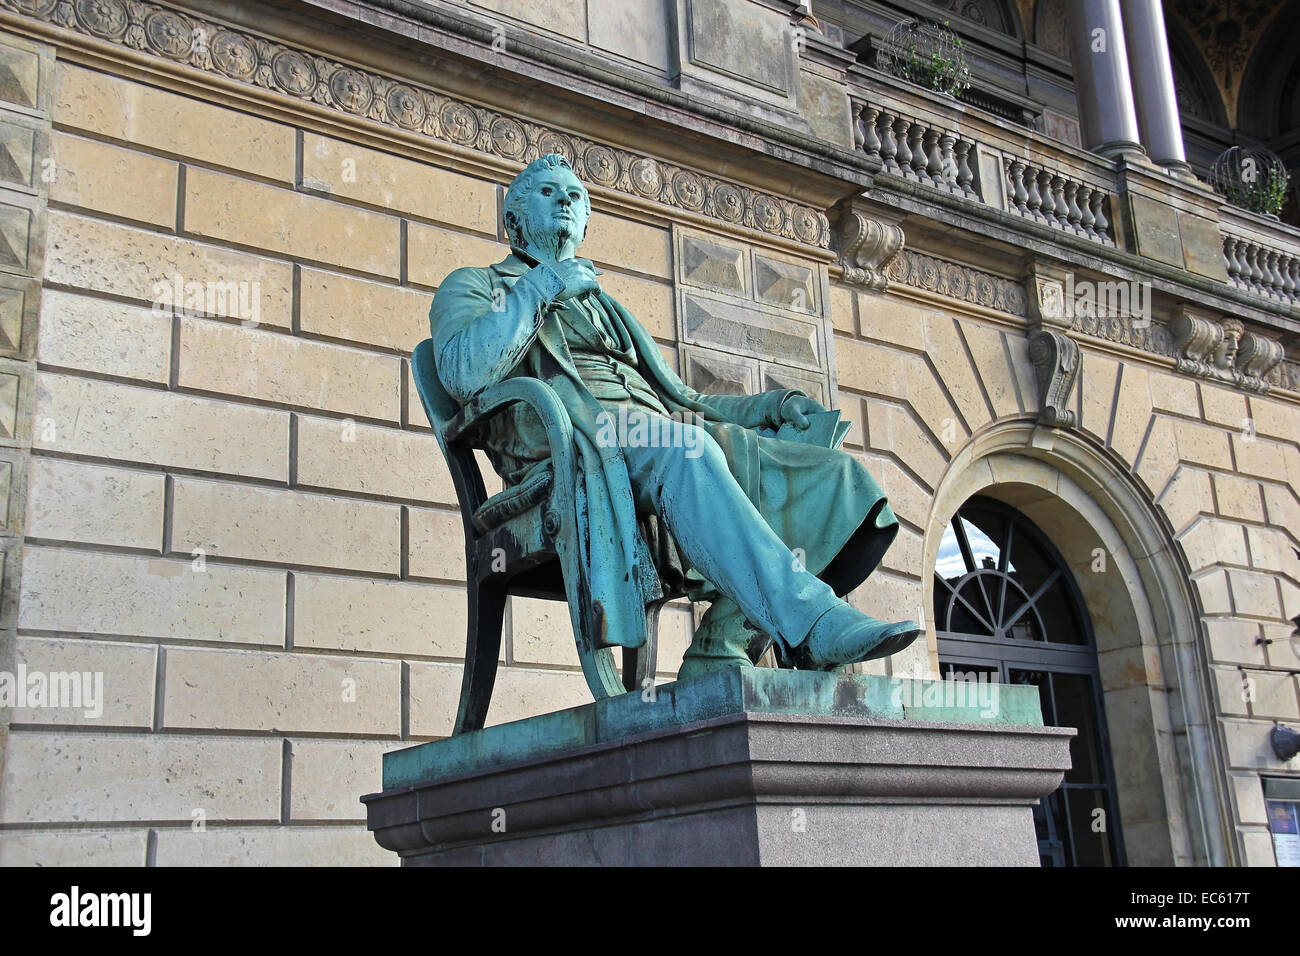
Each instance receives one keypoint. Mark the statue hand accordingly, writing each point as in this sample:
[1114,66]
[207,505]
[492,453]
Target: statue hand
[796,410]
[579,277]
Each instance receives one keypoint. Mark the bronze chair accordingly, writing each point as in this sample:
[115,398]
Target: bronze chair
[521,541]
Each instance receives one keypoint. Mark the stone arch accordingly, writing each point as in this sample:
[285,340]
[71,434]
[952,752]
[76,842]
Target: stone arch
[1146,620]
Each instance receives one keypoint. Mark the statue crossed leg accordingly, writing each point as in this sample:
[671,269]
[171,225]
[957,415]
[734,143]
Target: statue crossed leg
[758,578]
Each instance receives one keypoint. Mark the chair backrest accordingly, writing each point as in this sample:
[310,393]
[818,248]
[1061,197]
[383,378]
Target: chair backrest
[438,405]
[441,408]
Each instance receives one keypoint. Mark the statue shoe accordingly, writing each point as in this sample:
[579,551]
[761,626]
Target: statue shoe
[844,635]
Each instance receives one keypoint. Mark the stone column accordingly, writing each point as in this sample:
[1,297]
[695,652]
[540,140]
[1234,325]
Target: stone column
[1153,83]
[1105,95]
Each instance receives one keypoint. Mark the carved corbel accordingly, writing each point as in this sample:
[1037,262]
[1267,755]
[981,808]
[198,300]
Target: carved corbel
[868,239]
[1256,358]
[1197,340]
[1055,357]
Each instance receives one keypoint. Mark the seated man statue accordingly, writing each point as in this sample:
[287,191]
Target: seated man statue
[772,531]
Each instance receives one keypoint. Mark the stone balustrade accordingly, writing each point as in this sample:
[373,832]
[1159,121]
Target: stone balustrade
[915,149]
[946,144]
[1063,202]
[1255,267]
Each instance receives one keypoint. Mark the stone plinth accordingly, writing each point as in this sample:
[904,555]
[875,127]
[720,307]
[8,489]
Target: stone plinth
[753,767]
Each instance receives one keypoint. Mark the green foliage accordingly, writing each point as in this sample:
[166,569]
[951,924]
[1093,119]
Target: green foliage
[1266,196]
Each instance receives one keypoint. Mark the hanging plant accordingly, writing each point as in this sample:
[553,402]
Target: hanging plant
[928,54]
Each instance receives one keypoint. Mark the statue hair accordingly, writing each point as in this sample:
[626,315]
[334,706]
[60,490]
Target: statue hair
[520,189]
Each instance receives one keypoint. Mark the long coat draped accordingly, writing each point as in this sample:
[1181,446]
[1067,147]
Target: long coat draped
[482,322]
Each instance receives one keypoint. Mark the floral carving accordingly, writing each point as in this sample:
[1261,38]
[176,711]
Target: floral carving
[602,165]
[106,19]
[509,138]
[351,90]
[406,106]
[957,282]
[728,202]
[293,72]
[168,33]
[233,55]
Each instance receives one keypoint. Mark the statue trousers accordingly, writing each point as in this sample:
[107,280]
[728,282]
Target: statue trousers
[686,482]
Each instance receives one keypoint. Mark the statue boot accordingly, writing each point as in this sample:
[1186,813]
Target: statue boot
[844,635]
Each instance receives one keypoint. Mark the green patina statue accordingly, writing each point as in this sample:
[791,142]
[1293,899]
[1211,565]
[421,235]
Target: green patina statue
[772,531]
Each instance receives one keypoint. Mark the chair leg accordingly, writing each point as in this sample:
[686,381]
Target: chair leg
[487,606]
[639,663]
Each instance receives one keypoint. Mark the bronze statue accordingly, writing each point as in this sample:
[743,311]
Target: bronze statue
[673,482]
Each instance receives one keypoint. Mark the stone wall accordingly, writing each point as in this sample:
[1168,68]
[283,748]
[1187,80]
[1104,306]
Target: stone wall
[246,525]
[242,520]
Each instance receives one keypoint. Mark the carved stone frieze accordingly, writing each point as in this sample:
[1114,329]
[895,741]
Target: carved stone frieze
[957,282]
[257,61]
[1152,337]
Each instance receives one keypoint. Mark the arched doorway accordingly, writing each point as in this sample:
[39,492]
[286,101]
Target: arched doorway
[1144,611]
[1006,606]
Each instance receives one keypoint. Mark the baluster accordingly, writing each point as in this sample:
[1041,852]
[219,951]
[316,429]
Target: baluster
[888,142]
[1256,273]
[1086,218]
[1230,260]
[870,141]
[856,108]
[933,161]
[1102,224]
[1045,190]
[1274,277]
[1072,214]
[964,174]
[1243,267]
[1019,195]
[1059,209]
[1284,270]
[1294,270]
[901,126]
[914,134]
[948,162]
[1035,200]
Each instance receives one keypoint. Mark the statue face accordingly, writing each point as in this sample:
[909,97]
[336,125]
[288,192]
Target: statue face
[555,212]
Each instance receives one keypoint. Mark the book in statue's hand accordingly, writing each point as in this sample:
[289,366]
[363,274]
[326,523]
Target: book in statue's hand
[824,429]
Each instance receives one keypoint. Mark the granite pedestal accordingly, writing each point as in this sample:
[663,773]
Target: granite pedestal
[749,767]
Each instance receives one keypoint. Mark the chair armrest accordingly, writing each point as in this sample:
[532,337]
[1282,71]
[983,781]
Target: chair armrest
[536,394]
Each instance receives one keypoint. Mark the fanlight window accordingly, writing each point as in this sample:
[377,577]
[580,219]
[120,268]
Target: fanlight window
[994,578]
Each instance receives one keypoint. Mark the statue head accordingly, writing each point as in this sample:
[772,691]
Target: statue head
[547,209]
